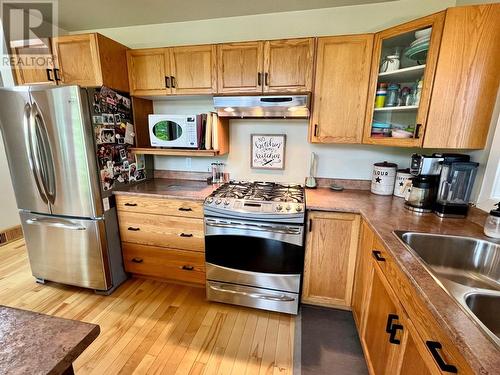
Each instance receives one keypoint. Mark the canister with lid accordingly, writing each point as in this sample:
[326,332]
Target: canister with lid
[384,175]
[402,183]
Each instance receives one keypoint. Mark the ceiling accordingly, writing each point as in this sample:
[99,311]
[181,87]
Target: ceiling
[75,15]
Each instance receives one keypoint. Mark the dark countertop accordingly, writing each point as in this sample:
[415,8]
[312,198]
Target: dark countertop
[169,188]
[33,343]
[385,214]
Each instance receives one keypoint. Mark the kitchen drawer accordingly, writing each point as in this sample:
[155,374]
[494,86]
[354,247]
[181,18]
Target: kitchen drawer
[164,263]
[429,330]
[160,206]
[165,231]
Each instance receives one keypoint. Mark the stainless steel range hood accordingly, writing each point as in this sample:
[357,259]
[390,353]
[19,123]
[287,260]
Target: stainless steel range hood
[275,106]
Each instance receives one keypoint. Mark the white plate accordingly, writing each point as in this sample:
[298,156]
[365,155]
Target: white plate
[424,32]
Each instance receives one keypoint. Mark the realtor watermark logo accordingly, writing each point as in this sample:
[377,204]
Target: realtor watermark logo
[28,27]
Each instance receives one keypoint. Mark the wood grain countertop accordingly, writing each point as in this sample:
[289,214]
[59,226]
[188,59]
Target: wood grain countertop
[33,343]
[384,214]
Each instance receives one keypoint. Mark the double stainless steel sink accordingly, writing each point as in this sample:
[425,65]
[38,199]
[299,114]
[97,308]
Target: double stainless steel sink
[468,269]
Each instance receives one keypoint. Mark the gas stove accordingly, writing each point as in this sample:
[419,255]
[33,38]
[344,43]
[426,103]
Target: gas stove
[258,201]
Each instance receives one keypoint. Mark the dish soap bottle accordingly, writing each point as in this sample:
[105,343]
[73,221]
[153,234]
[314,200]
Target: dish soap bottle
[492,224]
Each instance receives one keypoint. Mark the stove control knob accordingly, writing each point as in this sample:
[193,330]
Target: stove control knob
[218,201]
[279,207]
[226,202]
[298,208]
[210,200]
[288,208]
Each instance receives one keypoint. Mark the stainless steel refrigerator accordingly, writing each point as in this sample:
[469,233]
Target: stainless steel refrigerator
[69,221]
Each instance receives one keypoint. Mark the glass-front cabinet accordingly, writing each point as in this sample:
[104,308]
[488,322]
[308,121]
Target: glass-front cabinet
[403,66]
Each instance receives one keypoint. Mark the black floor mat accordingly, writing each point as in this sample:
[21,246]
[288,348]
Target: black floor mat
[330,343]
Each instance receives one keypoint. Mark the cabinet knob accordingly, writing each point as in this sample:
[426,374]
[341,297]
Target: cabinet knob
[434,346]
[378,256]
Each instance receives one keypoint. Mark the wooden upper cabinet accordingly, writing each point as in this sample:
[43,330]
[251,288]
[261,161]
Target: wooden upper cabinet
[239,67]
[90,60]
[193,69]
[148,70]
[381,121]
[466,80]
[341,89]
[28,74]
[330,258]
[288,65]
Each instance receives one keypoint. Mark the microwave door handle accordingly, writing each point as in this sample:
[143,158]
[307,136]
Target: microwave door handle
[28,127]
[45,150]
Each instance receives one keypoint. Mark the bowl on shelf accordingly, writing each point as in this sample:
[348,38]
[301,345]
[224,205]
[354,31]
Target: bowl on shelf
[418,53]
[400,133]
[423,33]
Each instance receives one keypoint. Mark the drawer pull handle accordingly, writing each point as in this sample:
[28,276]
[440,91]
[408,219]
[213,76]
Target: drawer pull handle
[188,268]
[137,260]
[131,204]
[133,229]
[186,235]
[392,329]
[390,318]
[433,347]
[185,209]
[378,256]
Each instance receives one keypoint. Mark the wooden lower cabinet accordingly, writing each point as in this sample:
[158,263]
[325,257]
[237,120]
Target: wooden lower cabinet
[398,333]
[331,244]
[162,238]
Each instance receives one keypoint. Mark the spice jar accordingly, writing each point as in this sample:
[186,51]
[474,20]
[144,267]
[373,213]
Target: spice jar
[380,95]
[392,97]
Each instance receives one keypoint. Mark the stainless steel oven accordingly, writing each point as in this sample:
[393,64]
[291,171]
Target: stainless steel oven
[254,263]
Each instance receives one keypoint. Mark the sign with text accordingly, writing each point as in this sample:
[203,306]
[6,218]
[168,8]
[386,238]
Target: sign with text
[268,151]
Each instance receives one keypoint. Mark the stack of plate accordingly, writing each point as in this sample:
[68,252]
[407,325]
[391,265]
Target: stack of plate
[419,47]
[381,129]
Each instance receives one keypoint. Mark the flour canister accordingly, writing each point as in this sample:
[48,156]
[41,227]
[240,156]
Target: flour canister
[403,182]
[384,175]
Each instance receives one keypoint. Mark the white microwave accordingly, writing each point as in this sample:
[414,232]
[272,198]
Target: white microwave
[173,131]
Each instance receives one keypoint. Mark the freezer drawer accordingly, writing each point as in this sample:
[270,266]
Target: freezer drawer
[67,251]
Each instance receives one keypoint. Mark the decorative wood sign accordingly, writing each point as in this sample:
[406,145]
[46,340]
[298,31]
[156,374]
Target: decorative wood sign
[268,151]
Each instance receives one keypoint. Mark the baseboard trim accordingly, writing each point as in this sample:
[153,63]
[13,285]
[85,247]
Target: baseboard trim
[10,234]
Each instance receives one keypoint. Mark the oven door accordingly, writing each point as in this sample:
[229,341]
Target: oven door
[265,255]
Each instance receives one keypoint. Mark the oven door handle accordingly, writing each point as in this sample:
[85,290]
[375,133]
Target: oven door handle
[256,227]
[269,297]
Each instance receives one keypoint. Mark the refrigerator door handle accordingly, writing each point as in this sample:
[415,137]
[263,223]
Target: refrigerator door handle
[57,223]
[47,165]
[30,142]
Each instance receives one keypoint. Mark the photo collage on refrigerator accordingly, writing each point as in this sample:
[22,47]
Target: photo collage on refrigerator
[114,135]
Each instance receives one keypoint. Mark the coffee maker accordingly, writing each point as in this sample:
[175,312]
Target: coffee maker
[426,170]
[455,186]
[442,183]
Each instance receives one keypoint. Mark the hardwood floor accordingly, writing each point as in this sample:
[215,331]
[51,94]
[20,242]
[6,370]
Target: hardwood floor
[151,327]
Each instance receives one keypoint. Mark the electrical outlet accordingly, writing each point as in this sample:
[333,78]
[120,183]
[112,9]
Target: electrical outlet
[189,163]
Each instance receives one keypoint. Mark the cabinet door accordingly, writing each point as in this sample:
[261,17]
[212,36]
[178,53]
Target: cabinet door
[362,273]
[330,258]
[382,313]
[389,118]
[467,79]
[288,65]
[148,71]
[341,89]
[39,69]
[239,67]
[77,58]
[193,69]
